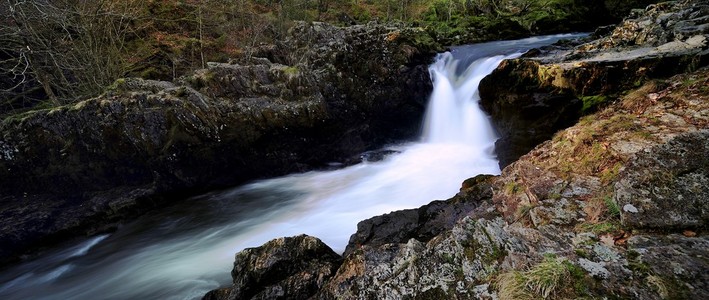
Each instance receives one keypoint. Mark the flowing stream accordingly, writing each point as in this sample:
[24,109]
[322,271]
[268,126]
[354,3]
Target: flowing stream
[188,249]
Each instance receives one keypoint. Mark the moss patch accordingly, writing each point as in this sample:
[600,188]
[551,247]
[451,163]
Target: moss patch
[592,103]
[20,117]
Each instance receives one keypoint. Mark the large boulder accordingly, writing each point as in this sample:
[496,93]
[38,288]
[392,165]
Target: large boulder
[453,265]
[673,265]
[284,268]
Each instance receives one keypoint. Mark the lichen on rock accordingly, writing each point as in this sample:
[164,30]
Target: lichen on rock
[667,186]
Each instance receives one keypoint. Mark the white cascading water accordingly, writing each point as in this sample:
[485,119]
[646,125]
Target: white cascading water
[453,115]
[186,250]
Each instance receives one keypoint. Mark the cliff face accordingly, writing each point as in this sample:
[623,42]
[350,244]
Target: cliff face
[613,206]
[320,96]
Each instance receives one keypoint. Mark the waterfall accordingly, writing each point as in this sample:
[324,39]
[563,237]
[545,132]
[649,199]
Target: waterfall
[453,114]
[183,251]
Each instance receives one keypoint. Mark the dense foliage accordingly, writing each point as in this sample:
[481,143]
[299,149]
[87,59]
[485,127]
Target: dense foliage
[54,52]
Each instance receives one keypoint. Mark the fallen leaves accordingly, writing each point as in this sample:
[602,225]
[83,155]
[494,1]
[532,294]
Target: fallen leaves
[689,233]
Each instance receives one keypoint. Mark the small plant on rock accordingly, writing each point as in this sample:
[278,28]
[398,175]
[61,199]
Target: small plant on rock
[541,281]
[602,215]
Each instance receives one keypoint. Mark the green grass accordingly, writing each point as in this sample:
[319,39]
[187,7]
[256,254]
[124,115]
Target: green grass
[545,278]
[291,70]
[600,228]
[512,285]
[512,188]
[582,253]
[659,285]
[542,281]
[612,207]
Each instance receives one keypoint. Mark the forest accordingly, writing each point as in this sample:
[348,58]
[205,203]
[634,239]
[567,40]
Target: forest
[55,52]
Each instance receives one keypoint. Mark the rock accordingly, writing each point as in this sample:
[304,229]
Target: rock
[539,99]
[559,212]
[658,24]
[630,208]
[523,112]
[531,98]
[284,268]
[446,267]
[667,186]
[595,269]
[376,155]
[673,265]
[218,294]
[422,223]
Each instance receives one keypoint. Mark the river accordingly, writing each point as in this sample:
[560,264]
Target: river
[188,249]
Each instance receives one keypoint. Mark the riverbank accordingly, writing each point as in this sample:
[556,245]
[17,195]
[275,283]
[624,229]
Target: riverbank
[296,106]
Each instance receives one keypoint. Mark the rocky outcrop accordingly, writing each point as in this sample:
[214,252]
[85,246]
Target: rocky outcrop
[284,268]
[672,265]
[323,95]
[532,98]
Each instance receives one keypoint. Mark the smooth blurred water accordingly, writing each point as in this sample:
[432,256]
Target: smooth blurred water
[186,250]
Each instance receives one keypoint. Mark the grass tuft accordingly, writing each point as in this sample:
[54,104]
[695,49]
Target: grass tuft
[602,215]
[541,281]
[512,188]
[612,207]
[512,285]
[599,228]
[659,285]
[545,278]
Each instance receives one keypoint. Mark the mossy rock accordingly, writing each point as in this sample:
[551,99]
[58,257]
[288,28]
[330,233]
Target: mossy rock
[592,103]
